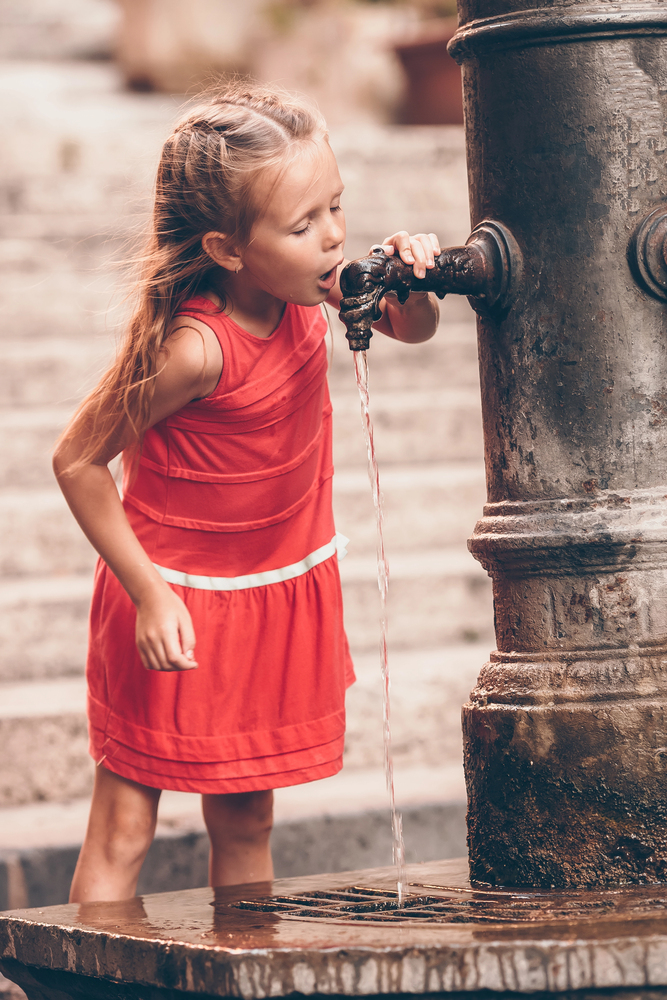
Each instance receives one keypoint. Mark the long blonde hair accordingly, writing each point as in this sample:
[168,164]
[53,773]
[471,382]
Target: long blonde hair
[208,167]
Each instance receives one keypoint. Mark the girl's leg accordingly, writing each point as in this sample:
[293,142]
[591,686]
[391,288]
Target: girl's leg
[239,827]
[120,830]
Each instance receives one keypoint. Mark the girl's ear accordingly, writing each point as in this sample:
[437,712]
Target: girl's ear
[218,247]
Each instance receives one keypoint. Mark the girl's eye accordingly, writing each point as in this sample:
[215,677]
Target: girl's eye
[302,232]
[336,208]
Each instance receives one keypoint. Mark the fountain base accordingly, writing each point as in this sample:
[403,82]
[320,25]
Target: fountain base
[343,935]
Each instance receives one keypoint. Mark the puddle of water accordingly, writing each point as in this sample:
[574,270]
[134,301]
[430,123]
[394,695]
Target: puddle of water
[398,847]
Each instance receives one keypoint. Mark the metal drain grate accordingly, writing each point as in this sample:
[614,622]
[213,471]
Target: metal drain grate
[450,907]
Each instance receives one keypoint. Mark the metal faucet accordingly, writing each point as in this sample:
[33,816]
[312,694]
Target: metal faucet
[487,269]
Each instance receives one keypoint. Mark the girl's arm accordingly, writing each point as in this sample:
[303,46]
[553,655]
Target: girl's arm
[165,638]
[416,320]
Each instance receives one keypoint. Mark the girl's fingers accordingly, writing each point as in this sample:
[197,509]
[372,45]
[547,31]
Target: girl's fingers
[174,656]
[150,656]
[420,251]
[165,636]
[419,256]
[401,242]
[162,653]
[188,640]
[430,246]
[387,245]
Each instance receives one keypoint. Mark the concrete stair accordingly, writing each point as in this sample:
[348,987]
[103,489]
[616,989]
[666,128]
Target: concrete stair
[76,168]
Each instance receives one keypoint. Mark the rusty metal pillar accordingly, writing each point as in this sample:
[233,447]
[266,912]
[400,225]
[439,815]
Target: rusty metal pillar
[566,731]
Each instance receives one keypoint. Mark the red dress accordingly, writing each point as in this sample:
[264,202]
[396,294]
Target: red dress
[232,502]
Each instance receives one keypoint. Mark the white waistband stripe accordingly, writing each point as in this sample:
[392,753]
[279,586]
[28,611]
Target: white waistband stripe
[336,545]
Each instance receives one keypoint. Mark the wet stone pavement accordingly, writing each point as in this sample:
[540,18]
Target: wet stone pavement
[345,935]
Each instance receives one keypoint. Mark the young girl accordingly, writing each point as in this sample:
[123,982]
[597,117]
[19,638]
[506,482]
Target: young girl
[218,662]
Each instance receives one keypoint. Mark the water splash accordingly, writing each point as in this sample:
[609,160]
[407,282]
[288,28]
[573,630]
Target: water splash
[398,847]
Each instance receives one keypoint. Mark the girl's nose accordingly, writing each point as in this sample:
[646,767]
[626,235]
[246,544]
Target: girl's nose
[336,231]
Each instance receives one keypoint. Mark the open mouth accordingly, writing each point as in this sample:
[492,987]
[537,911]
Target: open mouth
[328,279]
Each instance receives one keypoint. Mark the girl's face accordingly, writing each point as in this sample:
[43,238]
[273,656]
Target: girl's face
[297,244]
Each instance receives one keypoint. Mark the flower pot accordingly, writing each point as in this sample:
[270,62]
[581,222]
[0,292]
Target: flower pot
[433,93]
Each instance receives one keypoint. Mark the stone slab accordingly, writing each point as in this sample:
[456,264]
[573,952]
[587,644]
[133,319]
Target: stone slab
[198,942]
[51,372]
[426,506]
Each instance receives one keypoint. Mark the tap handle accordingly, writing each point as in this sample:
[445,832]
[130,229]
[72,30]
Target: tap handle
[648,253]
[480,269]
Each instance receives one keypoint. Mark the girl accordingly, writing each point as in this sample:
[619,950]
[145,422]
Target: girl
[218,662]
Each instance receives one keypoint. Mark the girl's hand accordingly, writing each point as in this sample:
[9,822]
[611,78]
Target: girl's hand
[420,250]
[165,636]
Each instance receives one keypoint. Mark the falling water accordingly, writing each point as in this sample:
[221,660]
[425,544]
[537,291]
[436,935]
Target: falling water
[398,848]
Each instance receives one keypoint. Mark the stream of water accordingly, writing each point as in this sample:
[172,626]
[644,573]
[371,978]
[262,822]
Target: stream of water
[398,847]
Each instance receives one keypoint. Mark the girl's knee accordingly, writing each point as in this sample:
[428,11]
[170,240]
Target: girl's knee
[123,838]
[243,815]
[122,821]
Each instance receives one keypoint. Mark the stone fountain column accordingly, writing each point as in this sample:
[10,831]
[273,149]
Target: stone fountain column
[566,731]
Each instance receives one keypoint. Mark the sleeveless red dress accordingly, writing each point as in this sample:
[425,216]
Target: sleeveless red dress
[232,502]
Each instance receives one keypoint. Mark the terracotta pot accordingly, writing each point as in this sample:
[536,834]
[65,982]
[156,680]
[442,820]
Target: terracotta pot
[433,95]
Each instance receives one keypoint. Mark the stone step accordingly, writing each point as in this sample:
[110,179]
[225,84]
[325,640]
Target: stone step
[428,687]
[43,626]
[412,425]
[425,506]
[66,157]
[56,371]
[43,742]
[41,537]
[68,29]
[449,360]
[61,277]
[43,739]
[50,372]
[62,156]
[58,283]
[436,597]
[27,437]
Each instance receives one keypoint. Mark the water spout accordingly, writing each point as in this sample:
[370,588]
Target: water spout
[486,269]
[398,847]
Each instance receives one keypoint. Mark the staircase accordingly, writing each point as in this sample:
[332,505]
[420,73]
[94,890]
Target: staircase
[77,164]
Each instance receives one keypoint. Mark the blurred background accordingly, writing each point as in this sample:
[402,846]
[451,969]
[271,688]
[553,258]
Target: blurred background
[88,91]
